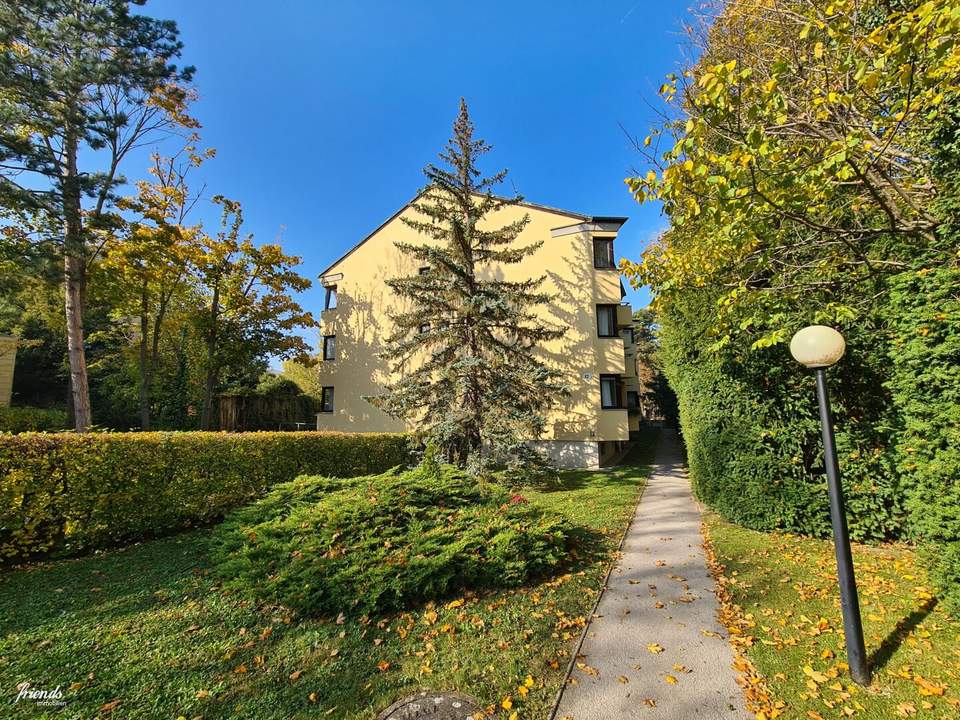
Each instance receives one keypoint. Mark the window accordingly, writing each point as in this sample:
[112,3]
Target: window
[633,399]
[326,399]
[424,270]
[329,347]
[610,392]
[424,328]
[628,336]
[607,321]
[603,253]
[330,302]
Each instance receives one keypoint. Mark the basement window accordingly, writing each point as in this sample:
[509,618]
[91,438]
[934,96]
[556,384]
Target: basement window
[424,328]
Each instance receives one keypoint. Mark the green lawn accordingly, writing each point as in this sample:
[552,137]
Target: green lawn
[787,595]
[144,633]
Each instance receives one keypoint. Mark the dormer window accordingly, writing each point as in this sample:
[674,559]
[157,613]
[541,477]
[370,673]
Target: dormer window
[330,301]
[603,254]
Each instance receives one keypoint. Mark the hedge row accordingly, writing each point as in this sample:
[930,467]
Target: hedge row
[750,423]
[64,493]
[31,419]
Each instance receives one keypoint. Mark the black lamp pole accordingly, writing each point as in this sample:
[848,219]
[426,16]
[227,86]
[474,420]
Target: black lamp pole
[849,603]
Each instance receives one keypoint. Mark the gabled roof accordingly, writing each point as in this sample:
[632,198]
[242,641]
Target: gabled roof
[534,206]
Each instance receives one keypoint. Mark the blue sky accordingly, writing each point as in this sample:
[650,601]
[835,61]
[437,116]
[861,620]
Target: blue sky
[324,113]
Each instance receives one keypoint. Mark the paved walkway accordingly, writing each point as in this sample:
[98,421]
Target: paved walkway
[654,649]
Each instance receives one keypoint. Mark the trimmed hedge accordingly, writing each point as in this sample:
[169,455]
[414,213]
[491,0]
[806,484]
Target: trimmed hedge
[31,419]
[65,492]
[924,318]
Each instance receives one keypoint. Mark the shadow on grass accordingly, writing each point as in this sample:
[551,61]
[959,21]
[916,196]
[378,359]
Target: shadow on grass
[881,656]
[633,466]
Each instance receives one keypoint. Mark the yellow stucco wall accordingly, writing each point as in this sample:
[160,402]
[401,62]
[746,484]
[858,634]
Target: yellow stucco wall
[8,353]
[360,323]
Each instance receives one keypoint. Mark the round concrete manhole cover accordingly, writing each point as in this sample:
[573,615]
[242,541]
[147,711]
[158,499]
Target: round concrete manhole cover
[436,706]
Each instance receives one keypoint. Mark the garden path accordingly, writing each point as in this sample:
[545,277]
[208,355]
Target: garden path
[653,648]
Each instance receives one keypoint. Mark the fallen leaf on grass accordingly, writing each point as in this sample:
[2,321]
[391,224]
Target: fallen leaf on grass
[240,669]
[383,666]
[295,675]
[110,706]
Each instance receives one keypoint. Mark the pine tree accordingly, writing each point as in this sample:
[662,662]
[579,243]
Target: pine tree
[463,344]
[82,83]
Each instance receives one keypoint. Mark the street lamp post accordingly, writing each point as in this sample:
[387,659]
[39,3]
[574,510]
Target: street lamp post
[818,347]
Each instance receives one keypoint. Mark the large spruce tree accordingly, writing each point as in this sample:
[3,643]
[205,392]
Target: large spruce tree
[463,344]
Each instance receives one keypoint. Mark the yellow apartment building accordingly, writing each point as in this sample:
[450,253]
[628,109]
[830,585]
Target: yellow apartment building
[589,426]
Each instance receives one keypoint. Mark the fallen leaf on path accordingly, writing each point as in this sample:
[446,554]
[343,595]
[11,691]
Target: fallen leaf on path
[655,648]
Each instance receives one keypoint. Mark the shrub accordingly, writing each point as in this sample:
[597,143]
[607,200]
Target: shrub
[69,492]
[382,542]
[750,425]
[30,419]
[924,318]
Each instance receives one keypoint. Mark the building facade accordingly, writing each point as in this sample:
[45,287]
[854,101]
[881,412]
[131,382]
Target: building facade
[587,427]
[8,357]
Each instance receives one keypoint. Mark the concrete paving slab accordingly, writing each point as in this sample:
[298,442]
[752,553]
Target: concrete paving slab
[654,648]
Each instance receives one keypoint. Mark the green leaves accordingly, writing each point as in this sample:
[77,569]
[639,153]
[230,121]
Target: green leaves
[461,343]
[384,542]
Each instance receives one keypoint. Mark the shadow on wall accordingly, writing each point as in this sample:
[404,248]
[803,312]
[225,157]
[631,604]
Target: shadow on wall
[361,325]
[576,354]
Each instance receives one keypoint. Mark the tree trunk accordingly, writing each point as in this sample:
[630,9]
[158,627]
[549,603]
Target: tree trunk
[213,369]
[145,369]
[74,253]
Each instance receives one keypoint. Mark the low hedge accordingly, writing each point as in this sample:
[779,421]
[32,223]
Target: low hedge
[63,493]
[31,419]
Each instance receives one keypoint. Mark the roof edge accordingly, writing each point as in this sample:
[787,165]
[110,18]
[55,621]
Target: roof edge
[522,203]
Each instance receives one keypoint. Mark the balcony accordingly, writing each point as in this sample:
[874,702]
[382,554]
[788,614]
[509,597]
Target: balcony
[610,356]
[624,316]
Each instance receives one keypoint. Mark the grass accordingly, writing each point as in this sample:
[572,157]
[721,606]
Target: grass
[145,633]
[786,590]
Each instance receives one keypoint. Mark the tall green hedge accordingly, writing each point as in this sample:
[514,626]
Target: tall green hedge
[750,424]
[66,492]
[924,319]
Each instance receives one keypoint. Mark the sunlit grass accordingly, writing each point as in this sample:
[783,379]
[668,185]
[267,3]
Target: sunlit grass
[787,591]
[144,633]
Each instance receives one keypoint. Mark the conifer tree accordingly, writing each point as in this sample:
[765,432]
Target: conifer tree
[463,343]
[82,84]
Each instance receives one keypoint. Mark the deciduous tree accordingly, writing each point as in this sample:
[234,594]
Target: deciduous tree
[82,83]
[249,310]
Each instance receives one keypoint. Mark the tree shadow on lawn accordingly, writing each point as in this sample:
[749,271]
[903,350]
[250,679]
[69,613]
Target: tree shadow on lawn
[631,470]
[145,625]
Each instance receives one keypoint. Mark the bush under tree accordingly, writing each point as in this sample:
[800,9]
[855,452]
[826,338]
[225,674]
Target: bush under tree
[383,542]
